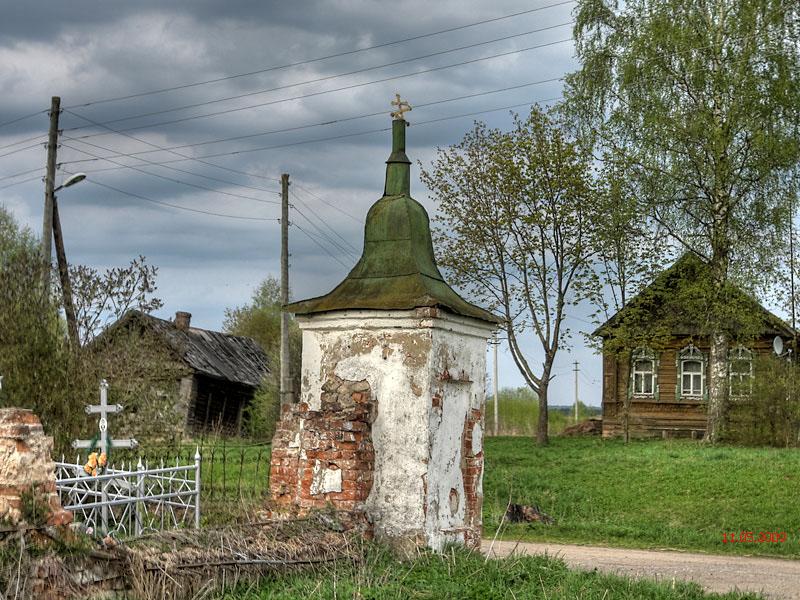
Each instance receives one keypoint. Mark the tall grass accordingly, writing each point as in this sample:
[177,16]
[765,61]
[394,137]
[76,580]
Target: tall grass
[519,413]
[462,575]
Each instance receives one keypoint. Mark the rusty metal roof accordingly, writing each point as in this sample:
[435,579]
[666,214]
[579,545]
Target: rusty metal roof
[397,269]
[219,355]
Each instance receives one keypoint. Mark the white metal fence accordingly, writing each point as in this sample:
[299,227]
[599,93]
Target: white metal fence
[129,502]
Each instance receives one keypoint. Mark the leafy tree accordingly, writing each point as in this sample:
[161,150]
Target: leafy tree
[39,370]
[101,298]
[700,100]
[514,229]
[261,320]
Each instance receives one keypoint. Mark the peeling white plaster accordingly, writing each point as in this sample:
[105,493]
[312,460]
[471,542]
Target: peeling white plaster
[417,446]
[477,438]
[325,480]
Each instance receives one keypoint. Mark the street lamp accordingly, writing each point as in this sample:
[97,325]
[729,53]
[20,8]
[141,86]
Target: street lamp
[71,180]
[61,257]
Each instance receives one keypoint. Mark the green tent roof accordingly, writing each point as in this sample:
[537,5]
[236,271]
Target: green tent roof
[397,269]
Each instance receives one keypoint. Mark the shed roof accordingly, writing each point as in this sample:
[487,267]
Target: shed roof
[233,358]
[397,268]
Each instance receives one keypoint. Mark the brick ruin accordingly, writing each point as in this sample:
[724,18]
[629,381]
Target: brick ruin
[27,471]
[325,456]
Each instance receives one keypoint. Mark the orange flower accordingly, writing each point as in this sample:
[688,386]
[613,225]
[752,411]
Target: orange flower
[88,469]
[102,460]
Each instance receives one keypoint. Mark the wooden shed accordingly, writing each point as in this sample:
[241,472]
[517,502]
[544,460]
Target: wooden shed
[655,361]
[211,376]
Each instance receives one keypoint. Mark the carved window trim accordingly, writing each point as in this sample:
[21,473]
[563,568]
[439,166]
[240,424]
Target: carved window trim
[691,354]
[740,355]
[644,354]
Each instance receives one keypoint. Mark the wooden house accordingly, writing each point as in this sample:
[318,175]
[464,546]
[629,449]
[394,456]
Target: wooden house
[195,380]
[655,360]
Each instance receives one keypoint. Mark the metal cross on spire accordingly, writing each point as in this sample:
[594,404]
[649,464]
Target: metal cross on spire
[402,107]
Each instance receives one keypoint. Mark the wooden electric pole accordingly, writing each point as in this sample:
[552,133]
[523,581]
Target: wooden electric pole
[63,274]
[287,396]
[576,390]
[49,186]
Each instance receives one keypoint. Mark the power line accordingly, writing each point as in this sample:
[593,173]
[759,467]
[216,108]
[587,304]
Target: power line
[322,234]
[306,126]
[336,76]
[22,118]
[324,249]
[313,195]
[347,248]
[158,149]
[330,138]
[176,206]
[313,94]
[170,179]
[21,182]
[155,164]
[311,60]
[30,139]
[21,173]
[21,150]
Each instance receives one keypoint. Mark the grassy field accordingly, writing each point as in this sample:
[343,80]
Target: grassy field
[519,413]
[656,494]
[465,576]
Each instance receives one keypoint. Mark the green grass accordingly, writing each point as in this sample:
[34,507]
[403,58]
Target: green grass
[654,494]
[519,413]
[464,576]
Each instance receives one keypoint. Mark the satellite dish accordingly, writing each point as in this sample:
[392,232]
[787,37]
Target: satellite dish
[777,345]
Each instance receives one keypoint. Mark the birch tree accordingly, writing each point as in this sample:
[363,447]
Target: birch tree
[513,229]
[701,99]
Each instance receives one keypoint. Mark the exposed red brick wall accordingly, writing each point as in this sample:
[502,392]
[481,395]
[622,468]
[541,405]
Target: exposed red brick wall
[314,449]
[471,470]
[26,467]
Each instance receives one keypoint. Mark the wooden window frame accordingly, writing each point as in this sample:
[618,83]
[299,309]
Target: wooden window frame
[644,353]
[691,353]
[740,354]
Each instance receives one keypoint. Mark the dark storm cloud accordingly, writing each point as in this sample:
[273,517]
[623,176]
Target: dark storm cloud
[86,51]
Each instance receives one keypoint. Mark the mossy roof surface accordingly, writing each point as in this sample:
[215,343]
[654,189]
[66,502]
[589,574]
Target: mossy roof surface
[397,269]
[658,298]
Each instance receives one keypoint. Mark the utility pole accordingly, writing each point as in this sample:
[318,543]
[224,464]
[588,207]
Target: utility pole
[287,396]
[63,273]
[494,384]
[576,390]
[49,185]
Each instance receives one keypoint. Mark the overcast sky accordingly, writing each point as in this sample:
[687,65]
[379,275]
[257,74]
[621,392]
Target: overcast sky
[87,52]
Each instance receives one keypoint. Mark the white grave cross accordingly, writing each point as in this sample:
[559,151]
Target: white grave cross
[104,410]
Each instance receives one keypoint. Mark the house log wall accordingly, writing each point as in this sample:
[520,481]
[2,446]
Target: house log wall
[663,415]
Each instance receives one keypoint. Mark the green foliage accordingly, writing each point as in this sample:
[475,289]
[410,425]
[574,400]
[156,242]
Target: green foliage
[102,298]
[143,377]
[698,104]
[646,494]
[514,229]
[261,320]
[519,413]
[39,370]
[460,575]
[35,508]
[771,414]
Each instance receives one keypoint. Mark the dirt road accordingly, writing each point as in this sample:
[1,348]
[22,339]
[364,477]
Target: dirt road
[775,578]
